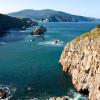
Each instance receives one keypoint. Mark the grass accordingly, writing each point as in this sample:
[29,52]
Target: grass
[94,33]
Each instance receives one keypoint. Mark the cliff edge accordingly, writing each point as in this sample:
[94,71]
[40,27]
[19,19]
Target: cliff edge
[81,59]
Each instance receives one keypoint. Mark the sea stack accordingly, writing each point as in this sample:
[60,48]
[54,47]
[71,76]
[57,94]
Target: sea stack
[81,60]
[38,30]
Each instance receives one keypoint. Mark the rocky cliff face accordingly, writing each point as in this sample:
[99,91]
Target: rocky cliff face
[81,59]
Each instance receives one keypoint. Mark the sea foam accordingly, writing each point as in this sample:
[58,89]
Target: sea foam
[51,43]
[3,43]
[10,91]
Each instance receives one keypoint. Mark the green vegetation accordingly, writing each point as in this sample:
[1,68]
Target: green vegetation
[98,26]
[7,22]
[93,34]
[51,15]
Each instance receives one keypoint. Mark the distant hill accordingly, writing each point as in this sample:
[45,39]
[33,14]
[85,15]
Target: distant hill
[7,22]
[50,16]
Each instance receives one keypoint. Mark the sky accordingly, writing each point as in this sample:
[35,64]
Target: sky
[89,8]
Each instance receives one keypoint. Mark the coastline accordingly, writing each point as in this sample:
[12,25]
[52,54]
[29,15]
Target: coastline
[80,59]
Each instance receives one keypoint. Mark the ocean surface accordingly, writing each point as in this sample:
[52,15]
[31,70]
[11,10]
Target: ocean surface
[29,66]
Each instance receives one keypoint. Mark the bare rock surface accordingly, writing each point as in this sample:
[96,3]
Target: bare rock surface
[81,59]
[39,30]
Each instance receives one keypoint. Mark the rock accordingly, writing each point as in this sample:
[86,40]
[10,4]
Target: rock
[58,42]
[65,98]
[3,94]
[81,59]
[52,98]
[59,98]
[38,30]
[29,88]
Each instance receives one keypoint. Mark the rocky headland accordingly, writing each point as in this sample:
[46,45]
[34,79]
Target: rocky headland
[38,30]
[81,60]
[7,22]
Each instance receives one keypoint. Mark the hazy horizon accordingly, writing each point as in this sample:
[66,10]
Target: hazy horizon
[83,8]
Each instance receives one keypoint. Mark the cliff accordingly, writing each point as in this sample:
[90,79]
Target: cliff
[81,59]
[7,22]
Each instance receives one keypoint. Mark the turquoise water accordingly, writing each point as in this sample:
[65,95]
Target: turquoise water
[25,63]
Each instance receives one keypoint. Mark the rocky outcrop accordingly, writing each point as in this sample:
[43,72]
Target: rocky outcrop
[39,30]
[81,59]
[3,94]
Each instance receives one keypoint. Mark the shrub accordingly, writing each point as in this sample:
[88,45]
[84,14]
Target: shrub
[98,26]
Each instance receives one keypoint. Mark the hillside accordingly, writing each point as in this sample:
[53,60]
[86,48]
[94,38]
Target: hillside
[81,59]
[7,22]
[49,15]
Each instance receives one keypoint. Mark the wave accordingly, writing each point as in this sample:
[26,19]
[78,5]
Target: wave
[3,43]
[73,95]
[9,90]
[29,38]
[52,43]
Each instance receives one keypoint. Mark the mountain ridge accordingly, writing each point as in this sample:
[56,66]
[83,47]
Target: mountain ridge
[50,15]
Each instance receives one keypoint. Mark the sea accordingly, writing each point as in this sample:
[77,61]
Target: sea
[29,65]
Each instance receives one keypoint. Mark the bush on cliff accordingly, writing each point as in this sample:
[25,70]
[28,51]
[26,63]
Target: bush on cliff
[98,26]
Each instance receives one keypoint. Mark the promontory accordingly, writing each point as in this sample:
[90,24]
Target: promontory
[81,59]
